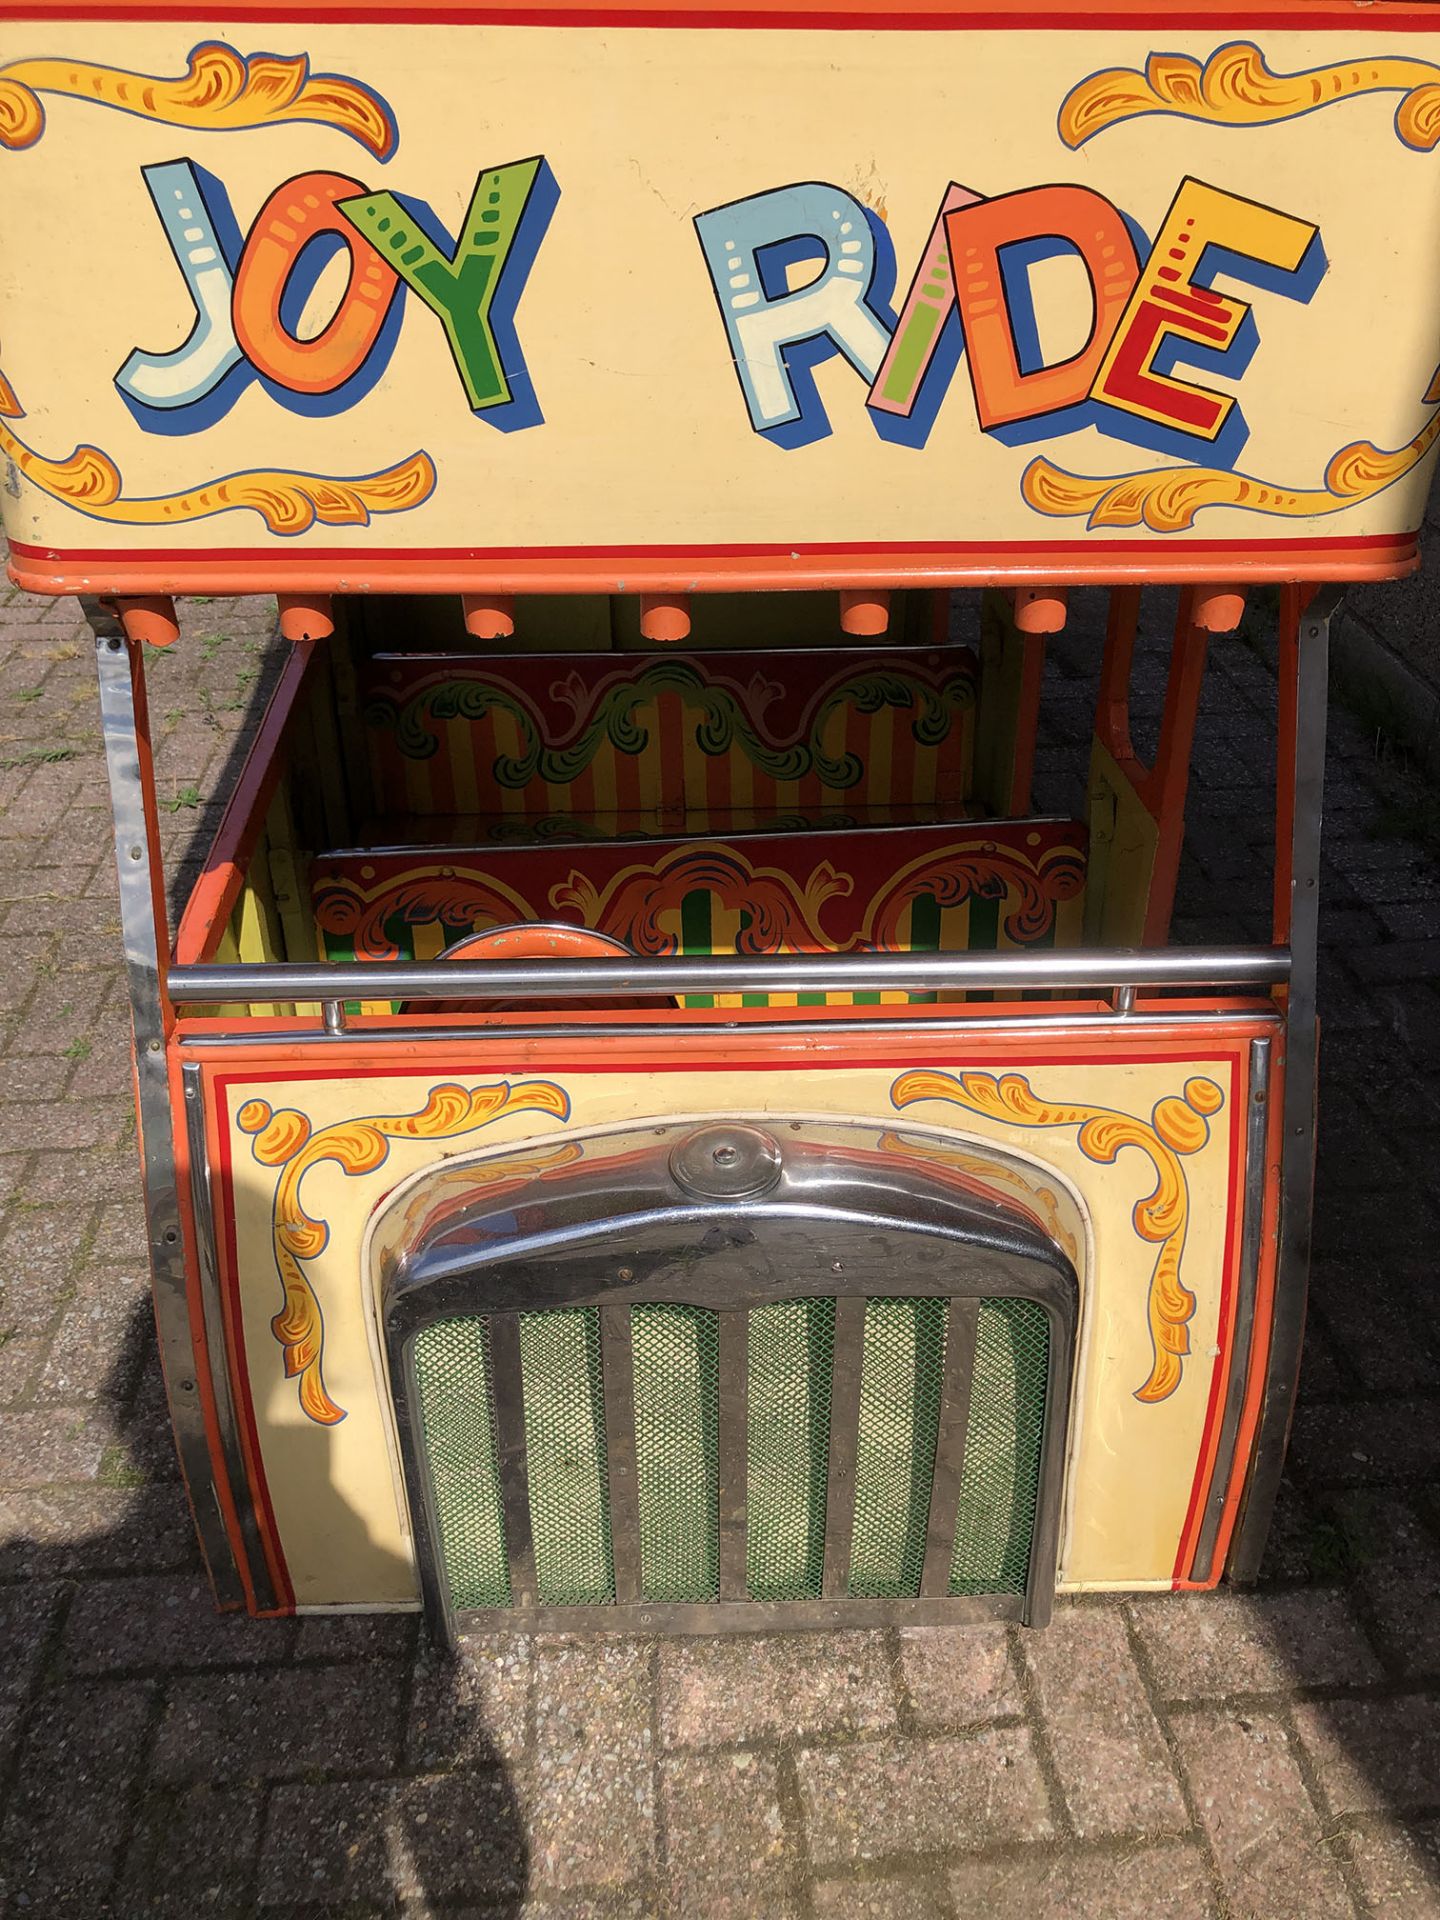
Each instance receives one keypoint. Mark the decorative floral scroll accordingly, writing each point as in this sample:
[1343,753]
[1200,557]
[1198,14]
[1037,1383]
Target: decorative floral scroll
[1167,499]
[364,915]
[285,1139]
[783,910]
[288,503]
[221,91]
[1235,88]
[984,870]
[1177,1127]
[727,716]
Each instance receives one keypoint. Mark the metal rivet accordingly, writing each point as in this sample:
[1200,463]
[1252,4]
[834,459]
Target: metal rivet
[171,1236]
[625,1274]
[187,1386]
[154,1046]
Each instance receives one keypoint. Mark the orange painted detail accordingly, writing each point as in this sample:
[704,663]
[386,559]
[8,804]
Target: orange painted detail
[1004,391]
[296,214]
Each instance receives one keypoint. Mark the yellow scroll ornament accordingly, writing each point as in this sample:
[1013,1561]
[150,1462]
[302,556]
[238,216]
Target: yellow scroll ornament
[1235,88]
[284,1139]
[1178,1126]
[221,91]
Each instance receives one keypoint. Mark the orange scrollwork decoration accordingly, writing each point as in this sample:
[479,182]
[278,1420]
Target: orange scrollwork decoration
[1178,1126]
[1167,499]
[221,91]
[783,910]
[284,1139]
[1236,88]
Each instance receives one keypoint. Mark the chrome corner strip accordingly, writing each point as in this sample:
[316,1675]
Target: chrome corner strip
[1257,1126]
[202,1208]
[1297,1160]
[121,676]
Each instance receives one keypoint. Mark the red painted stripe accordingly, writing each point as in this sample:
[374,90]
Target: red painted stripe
[1343,16]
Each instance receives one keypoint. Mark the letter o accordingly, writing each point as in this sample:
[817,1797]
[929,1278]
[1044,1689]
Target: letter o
[296,214]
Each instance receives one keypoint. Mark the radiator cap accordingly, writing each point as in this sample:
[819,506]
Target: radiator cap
[726,1162]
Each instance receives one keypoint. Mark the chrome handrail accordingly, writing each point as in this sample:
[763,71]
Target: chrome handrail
[1100,969]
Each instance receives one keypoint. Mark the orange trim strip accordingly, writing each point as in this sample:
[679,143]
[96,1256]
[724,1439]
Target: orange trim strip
[213,898]
[1096,562]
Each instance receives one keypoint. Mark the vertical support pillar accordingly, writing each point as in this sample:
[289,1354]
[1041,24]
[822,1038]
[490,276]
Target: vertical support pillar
[146,942]
[1304,673]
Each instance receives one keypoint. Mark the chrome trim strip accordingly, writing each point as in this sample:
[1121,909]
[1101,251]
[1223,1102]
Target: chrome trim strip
[509,1395]
[120,671]
[1257,1122]
[734,1491]
[844,1438]
[1297,1163]
[1101,1021]
[784,973]
[617,1370]
[748,1616]
[962,1323]
[213,1310]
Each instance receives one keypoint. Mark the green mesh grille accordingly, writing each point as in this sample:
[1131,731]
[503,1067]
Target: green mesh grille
[677,1444]
[1000,1475]
[452,1379]
[895,1450]
[565,1455]
[791,1351]
[790,1362]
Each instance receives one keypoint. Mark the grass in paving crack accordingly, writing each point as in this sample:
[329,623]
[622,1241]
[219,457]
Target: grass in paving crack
[184,797]
[39,757]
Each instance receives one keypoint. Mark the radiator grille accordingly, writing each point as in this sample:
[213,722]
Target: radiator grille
[791,1374]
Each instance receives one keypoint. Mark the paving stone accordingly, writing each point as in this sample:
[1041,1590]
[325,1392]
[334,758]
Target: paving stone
[725,1691]
[1397,1563]
[1273,1854]
[1147,1883]
[957,1676]
[69,1812]
[192,1853]
[472,1710]
[1209,1645]
[443,1837]
[725,1836]
[356,1636]
[879,1797]
[38,1251]
[1373,1755]
[594,1801]
[1108,1748]
[41,1447]
[1366,1442]
[54,1531]
[165,1620]
[1398,1868]
[27,1618]
[886,1897]
[276,1724]
[97,1347]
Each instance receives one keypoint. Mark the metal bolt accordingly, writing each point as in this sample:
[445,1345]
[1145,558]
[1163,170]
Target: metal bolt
[137,853]
[724,1156]
[625,1274]
[154,1046]
[187,1386]
[171,1236]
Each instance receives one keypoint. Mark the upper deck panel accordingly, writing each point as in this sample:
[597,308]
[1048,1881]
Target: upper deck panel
[569,297]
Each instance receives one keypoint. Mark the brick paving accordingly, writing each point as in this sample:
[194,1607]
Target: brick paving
[1273,1753]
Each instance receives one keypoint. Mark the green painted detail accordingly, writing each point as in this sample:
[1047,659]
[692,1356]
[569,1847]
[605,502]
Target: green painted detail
[460,291]
[721,722]
[695,936]
[910,353]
